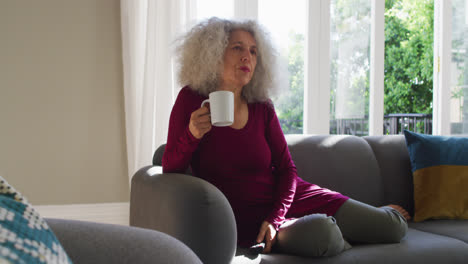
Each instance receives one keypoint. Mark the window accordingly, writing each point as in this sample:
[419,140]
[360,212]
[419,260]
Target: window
[409,53]
[350,24]
[334,84]
[209,8]
[286,21]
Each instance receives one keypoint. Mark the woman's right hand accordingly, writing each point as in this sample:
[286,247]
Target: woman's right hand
[267,234]
[200,122]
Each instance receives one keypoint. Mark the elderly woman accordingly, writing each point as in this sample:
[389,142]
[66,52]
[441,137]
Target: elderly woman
[249,161]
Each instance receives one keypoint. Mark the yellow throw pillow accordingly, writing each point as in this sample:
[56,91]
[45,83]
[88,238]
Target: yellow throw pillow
[440,176]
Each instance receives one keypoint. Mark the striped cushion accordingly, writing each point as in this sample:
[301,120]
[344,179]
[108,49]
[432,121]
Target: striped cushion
[440,176]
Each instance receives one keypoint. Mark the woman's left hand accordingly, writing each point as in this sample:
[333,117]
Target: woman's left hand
[268,234]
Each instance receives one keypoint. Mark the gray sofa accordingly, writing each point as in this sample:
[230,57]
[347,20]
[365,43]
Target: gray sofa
[375,170]
[89,242]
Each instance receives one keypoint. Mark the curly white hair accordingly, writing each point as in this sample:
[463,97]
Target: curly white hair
[200,55]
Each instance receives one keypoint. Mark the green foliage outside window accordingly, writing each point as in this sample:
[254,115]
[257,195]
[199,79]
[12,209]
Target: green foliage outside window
[409,38]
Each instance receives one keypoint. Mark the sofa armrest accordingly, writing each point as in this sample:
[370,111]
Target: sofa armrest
[89,242]
[187,208]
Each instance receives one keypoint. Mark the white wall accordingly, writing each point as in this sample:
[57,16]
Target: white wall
[62,135]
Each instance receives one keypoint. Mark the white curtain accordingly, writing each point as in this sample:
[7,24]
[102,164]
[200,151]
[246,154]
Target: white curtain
[148,30]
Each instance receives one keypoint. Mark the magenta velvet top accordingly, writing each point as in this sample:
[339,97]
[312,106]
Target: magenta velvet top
[252,166]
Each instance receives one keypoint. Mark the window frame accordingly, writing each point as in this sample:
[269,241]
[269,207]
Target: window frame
[442,60]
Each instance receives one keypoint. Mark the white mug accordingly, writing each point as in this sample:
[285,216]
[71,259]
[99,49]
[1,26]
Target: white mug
[221,108]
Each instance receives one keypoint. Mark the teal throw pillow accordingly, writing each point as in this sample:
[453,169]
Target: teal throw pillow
[24,236]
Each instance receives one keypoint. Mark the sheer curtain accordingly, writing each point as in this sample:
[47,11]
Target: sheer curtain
[148,31]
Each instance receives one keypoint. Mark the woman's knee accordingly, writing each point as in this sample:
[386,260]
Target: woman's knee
[312,236]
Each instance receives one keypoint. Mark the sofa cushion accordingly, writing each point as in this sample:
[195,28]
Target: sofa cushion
[24,236]
[440,176]
[416,247]
[452,228]
[338,162]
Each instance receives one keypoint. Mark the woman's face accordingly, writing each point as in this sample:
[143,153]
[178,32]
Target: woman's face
[240,59]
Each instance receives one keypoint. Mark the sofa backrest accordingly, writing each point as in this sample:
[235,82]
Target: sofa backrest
[373,169]
[395,169]
[158,154]
[342,163]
